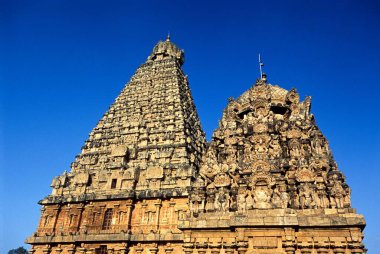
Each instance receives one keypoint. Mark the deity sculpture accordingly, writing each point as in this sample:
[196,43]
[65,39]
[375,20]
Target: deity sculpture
[249,200]
[262,195]
[222,200]
[241,200]
[275,149]
[306,196]
[337,194]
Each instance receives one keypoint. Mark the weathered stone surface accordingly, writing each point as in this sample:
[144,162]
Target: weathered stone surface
[147,182]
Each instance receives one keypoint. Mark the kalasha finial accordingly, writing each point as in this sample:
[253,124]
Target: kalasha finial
[168,37]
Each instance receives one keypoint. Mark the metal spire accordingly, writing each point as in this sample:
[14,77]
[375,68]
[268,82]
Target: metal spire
[261,64]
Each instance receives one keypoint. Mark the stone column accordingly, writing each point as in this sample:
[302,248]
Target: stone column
[158,208]
[80,215]
[129,214]
[171,213]
[57,210]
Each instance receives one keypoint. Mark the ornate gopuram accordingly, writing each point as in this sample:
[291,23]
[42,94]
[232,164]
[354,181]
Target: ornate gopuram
[129,186]
[146,181]
[268,183]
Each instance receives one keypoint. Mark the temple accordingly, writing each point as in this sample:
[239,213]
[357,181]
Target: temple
[147,182]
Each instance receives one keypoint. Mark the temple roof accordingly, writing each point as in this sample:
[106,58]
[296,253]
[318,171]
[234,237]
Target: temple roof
[268,153]
[167,49]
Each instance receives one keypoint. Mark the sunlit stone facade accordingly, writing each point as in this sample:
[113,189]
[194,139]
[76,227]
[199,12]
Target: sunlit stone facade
[146,180]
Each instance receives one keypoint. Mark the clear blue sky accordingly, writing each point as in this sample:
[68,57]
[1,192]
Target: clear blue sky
[62,63]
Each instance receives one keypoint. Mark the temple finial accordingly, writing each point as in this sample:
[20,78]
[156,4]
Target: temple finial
[261,64]
[168,37]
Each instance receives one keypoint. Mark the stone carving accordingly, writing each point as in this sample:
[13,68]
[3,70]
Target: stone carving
[268,145]
[144,181]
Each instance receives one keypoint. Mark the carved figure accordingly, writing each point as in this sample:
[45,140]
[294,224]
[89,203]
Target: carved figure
[306,196]
[276,198]
[249,200]
[275,149]
[262,196]
[222,200]
[337,194]
[241,201]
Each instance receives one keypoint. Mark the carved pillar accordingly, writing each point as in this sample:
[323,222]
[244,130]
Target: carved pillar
[66,219]
[80,212]
[158,208]
[143,208]
[57,210]
[129,213]
[171,211]
[289,242]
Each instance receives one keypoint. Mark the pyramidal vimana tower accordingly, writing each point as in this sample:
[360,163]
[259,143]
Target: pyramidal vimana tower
[147,182]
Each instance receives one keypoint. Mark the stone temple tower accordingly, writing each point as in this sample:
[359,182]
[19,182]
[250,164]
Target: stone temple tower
[146,181]
[130,183]
[268,183]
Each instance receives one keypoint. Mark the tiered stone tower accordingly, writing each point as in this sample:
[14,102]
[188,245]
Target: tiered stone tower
[145,182]
[129,185]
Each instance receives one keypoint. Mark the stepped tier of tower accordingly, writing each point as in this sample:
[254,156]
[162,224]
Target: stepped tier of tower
[146,182]
[147,144]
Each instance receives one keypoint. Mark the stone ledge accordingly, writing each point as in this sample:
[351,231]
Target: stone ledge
[104,238]
[263,218]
